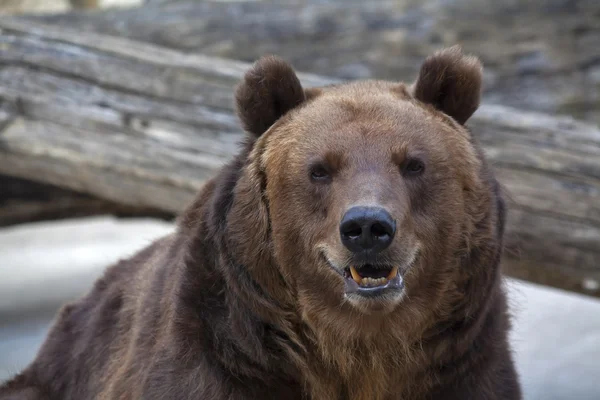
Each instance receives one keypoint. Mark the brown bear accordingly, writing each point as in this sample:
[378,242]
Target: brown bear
[350,251]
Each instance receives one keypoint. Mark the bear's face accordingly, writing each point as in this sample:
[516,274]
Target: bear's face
[365,186]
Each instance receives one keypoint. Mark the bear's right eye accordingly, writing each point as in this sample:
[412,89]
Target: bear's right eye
[319,173]
[414,167]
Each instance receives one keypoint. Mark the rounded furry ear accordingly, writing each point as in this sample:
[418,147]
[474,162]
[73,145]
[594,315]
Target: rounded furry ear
[268,91]
[451,82]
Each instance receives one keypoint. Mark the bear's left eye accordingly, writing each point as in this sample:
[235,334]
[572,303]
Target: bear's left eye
[319,173]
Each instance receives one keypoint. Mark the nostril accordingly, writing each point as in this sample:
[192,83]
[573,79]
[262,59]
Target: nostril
[378,230]
[353,231]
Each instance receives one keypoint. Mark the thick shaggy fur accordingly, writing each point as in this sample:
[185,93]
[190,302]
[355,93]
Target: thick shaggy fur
[241,302]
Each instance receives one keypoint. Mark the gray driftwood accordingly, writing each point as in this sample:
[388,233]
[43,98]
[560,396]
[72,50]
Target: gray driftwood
[24,200]
[540,55]
[146,126]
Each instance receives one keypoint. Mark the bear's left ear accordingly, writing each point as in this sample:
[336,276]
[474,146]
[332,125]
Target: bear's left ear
[269,90]
[451,82]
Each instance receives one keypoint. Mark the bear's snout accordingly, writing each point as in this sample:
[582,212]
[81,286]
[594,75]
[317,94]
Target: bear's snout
[367,229]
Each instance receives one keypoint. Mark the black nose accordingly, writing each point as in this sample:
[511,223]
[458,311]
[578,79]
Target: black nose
[367,228]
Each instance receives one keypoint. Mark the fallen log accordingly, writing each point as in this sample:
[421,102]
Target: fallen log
[24,201]
[142,125]
[539,55]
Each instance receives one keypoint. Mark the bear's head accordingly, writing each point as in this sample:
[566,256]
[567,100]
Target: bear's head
[361,198]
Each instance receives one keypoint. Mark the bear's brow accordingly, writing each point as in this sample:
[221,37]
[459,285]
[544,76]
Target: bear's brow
[334,159]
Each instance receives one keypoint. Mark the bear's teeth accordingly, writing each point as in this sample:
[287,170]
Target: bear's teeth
[392,273]
[357,278]
[370,282]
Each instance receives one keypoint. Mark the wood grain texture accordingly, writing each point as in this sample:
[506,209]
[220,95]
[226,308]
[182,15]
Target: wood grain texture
[540,55]
[26,201]
[146,126]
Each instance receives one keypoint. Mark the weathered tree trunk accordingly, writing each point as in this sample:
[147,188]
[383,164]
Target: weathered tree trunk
[83,4]
[540,55]
[23,200]
[146,126]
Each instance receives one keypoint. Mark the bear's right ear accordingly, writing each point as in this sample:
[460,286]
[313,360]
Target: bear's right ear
[451,82]
[269,90]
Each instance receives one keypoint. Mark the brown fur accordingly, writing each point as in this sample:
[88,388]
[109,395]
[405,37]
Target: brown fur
[243,301]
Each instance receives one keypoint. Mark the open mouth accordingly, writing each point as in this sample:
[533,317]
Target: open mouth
[371,276]
[372,280]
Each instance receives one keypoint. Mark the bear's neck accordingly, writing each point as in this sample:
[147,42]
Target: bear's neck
[217,296]
[345,360]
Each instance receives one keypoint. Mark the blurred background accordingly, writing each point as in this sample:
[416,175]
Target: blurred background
[113,113]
